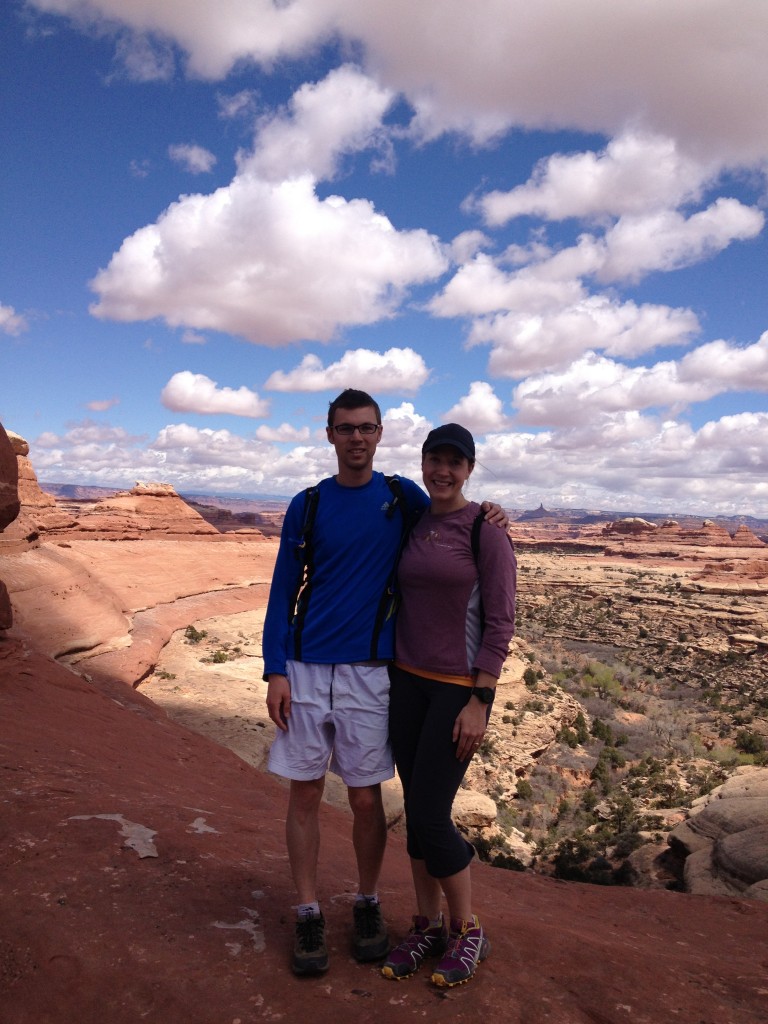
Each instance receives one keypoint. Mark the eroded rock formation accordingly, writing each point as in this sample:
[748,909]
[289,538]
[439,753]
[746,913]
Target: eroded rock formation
[725,838]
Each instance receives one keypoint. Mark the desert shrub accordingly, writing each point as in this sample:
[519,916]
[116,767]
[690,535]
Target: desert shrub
[567,736]
[749,742]
[602,731]
[590,800]
[524,789]
[529,678]
[580,727]
[194,636]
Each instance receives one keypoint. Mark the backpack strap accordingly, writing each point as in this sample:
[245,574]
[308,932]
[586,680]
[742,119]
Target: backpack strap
[474,538]
[475,535]
[304,552]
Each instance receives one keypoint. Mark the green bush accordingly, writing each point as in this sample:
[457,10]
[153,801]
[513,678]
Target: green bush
[749,742]
[524,789]
[194,636]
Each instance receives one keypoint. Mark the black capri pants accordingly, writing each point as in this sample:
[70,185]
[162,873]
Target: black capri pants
[422,714]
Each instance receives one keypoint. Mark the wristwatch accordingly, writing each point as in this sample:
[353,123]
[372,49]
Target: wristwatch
[484,694]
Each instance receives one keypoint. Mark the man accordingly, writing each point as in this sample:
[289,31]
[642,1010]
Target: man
[328,635]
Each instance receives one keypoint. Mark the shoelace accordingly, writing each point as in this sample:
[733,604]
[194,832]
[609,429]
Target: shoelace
[310,933]
[414,941]
[454,949]
[367,920]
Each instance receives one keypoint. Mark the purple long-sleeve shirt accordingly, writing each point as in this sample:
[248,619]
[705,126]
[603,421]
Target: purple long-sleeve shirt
[439,630]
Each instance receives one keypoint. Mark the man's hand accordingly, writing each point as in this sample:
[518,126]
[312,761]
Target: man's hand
[279,700]
[495,514]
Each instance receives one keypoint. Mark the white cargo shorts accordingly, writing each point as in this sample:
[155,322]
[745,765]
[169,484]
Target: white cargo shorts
[338,722]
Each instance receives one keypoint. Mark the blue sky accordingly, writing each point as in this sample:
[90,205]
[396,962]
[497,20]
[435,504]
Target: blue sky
[544,222]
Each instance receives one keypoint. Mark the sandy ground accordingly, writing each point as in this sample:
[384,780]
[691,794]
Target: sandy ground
[226,700]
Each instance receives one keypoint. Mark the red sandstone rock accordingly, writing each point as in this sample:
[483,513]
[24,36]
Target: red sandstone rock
[147,509]
[744,538]
[6,612]
[9,481]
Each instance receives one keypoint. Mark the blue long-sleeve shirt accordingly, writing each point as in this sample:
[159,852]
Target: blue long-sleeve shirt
[354,546]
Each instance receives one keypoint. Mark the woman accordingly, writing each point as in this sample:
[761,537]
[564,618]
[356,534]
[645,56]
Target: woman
[454,625]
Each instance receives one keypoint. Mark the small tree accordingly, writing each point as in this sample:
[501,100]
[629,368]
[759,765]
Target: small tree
[529,678]
[749,742]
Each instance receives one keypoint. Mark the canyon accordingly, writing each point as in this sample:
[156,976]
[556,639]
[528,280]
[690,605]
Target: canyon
[143,866]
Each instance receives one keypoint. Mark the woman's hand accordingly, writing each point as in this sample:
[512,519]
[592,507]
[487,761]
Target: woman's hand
[469,728]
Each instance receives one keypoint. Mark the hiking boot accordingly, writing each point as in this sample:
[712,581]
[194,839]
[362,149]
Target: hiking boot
[370,940]
[310,955]
[420,942]
[467,946]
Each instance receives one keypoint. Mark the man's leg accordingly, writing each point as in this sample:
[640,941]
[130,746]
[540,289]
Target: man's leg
[369,837]
[302,832]
[369,833]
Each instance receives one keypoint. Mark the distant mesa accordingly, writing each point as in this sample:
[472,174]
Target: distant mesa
[669,531]
[155,490]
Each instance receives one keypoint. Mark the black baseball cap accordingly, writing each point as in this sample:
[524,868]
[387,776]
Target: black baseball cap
[453,434]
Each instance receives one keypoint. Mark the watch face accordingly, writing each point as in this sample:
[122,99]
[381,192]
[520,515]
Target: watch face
[484,693]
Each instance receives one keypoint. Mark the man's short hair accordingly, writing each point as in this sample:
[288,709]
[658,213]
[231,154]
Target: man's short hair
[352,399]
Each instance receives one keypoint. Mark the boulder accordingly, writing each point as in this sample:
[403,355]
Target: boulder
[725,838]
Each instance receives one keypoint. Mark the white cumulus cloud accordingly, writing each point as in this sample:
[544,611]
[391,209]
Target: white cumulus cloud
[397,369]
[270,263]
[681,69]
[194,392]
[193,158]
[480,411]
[341,114]
[633,175]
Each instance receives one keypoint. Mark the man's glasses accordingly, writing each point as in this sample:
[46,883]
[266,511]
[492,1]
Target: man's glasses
[347,429]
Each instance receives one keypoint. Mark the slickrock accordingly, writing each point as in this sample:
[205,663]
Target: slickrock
[145,878]
[83,598]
